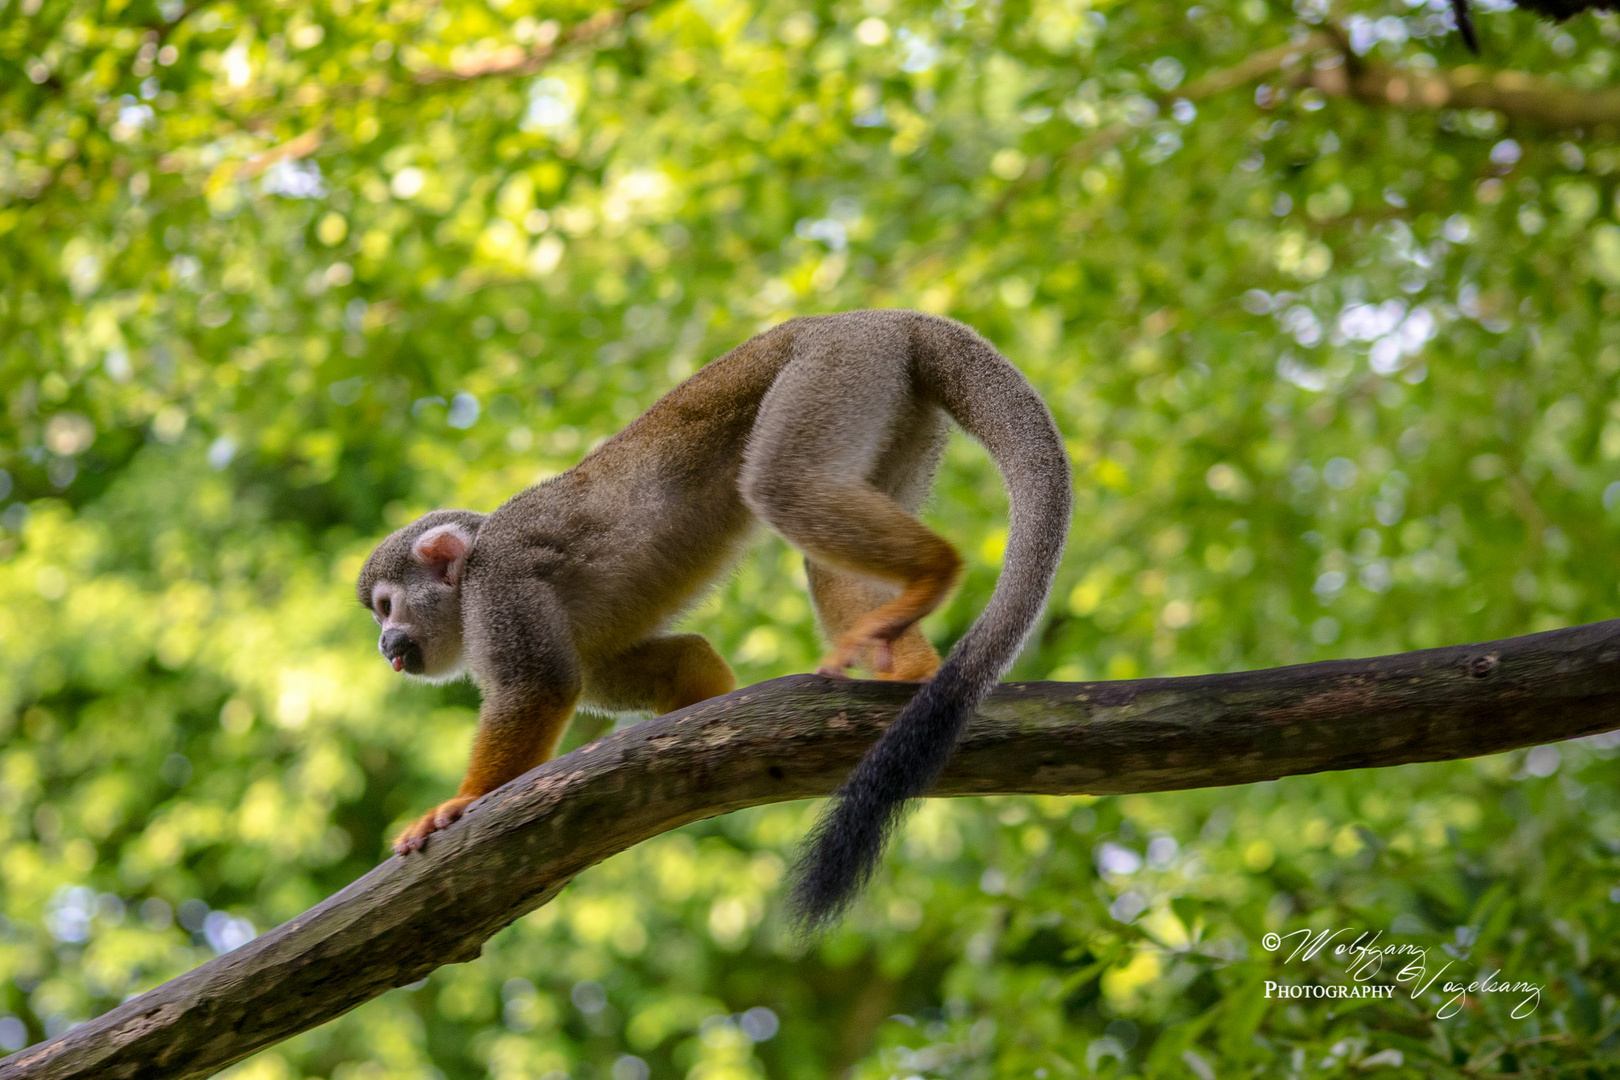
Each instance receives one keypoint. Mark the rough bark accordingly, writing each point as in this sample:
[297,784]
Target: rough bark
[795,738]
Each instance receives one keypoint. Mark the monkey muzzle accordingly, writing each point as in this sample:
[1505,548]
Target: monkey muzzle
[398,649]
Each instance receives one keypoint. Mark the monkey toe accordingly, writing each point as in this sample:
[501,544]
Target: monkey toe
[847,653]
[412,839]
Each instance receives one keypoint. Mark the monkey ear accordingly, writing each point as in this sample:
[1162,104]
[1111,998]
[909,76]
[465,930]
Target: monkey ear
[443,550]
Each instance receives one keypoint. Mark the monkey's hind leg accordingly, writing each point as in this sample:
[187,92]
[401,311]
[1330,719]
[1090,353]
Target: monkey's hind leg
[842,451]
[662,674]
[842,600]
[876,538]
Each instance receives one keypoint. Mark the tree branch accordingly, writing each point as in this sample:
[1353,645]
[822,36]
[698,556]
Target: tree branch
[505,60]
[1559,10]
[300,146]
[796,738]
[510,60]
[164,29]
[1516,94]
[1341,73]
[1258,66]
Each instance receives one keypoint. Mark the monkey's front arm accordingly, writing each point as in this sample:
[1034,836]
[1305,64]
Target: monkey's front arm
[516,732]
[523,659]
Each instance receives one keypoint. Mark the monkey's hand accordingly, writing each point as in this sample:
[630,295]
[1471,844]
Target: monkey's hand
[441,817]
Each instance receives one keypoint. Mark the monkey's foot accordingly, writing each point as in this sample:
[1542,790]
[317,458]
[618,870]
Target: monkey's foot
[850,651]
[441,817]
[910,665]
[896,655]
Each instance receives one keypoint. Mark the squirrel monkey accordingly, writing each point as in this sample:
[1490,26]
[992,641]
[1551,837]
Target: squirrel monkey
[828,428]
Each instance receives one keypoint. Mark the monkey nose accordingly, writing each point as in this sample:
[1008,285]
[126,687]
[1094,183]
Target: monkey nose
[394,644]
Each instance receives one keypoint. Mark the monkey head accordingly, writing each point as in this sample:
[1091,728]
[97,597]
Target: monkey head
[411,584]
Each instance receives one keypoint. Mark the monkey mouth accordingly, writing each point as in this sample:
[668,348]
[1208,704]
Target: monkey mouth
[407,659]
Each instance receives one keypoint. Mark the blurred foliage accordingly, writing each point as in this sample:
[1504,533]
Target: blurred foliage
[1337,380]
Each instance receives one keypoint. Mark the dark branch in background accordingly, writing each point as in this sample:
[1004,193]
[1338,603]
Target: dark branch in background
[796,738]
[1559,10]
[1465,25]
[1556,10]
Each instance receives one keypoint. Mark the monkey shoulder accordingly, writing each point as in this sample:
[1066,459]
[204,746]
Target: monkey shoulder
[524,539]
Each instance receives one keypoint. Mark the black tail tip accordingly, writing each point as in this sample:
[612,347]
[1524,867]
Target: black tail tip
[821,892]
[838,859]
[813,912]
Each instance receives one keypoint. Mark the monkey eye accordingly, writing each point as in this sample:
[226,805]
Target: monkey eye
[384,607]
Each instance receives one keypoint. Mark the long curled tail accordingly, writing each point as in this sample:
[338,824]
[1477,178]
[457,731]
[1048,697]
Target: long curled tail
[988,397]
